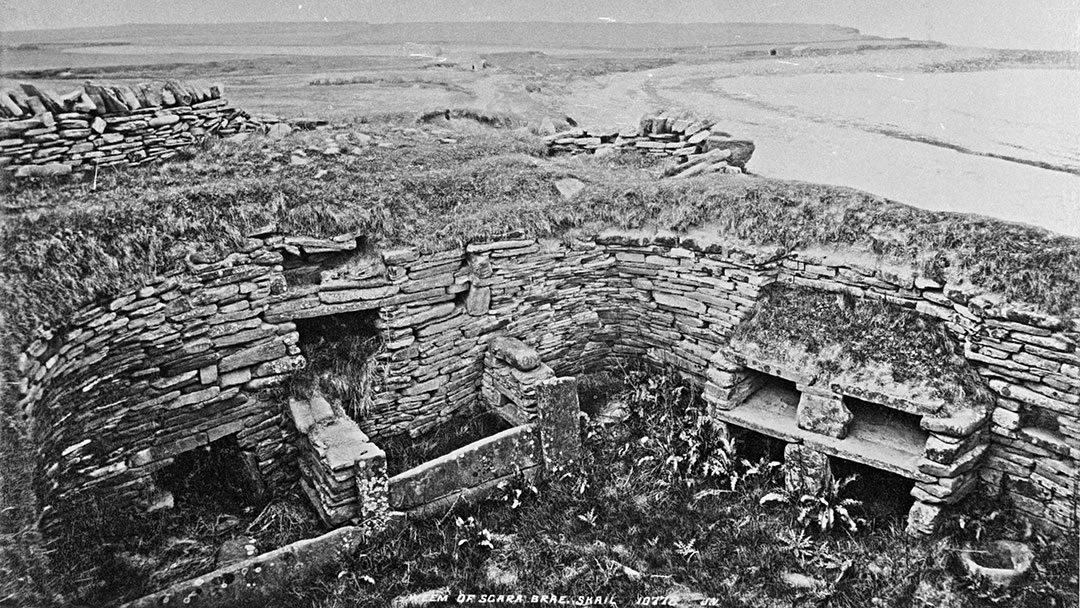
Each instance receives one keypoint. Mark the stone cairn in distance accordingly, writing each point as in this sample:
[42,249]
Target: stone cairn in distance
[43,133]
[698,145]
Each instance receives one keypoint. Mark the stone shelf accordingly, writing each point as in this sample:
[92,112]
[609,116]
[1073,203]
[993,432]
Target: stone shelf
[877,437]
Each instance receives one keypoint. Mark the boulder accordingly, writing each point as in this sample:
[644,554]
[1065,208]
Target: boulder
[516,353]
[801,581]
[741,149]
[278,131]
[547,127]
[923,519]
[569,186]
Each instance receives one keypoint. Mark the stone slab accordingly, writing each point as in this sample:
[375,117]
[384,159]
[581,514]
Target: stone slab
[879,441]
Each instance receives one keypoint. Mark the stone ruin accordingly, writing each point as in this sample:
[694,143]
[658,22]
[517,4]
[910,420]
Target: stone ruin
[697,144]
[824,403]
[131,387]
[45,133]
[131,384]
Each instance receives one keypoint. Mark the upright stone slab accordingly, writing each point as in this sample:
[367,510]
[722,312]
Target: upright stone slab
[478,301]
[806,471]
[560,436]
[923,519]
[823,413]
[372,492]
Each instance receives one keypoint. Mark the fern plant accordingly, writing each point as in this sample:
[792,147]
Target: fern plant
[823,510]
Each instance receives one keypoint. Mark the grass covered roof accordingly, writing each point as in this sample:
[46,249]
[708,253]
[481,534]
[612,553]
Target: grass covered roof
[870,344]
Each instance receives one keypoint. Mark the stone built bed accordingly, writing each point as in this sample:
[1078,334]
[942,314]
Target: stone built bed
[868,382]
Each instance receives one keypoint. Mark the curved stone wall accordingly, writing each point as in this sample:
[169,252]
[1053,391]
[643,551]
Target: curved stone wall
[131,383]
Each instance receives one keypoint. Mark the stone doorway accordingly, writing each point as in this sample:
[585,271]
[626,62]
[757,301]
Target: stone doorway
[218,476]
[340,351]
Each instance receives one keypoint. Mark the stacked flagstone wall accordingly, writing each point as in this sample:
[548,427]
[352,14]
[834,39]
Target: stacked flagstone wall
[698,145]
[43,133]
[133,382]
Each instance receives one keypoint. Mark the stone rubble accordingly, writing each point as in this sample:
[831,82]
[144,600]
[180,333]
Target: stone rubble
[699,145]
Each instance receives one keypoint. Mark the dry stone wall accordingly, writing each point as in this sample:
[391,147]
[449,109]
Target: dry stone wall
[342,472]
[698,144]
[1027,358]
[42,133]
[132,382]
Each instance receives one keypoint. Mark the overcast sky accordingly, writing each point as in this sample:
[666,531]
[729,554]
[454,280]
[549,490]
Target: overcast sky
[1041,24]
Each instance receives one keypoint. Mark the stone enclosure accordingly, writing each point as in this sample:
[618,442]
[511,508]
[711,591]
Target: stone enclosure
[191,360]
[45,133]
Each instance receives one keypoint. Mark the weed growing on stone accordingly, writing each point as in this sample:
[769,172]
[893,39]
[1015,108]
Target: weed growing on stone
[340,351]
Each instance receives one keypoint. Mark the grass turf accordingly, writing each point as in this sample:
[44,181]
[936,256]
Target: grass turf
[68,243]
[861,333]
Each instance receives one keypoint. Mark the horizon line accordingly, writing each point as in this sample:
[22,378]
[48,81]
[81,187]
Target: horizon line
[418,22]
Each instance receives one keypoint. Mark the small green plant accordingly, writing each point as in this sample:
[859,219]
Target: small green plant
[797,543]
[470,535]
[589,517]
[691,448]
[823,510]
[688,550]
[515,492]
